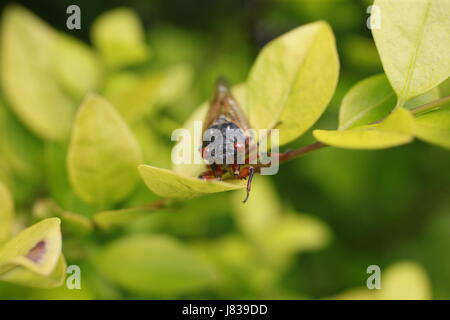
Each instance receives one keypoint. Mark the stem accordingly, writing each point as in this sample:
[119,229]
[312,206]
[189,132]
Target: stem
[431,105]
[289,155]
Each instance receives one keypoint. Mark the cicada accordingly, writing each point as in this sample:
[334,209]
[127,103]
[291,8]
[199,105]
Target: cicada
[228,146]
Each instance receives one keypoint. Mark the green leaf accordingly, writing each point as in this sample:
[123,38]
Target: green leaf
[37,248]
[57,179]
[76,66]
[154,264]
[18,147]
[395,130]
[115,218]
[169,184]
[296,232]
[73,223]
[6,213]
[293,80]
[137,97]
[119,37]
[262,210]
[27,72]
[413,42]
[434,127]
[367,101]
[103,154]
[422,99]
[26,277]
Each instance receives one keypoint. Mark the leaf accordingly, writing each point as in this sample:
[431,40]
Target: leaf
[76,66]
[261,211]
[154,264]
[24,276]
[296,232]
[27,73]
[277,233]
[103,154]
[6,213]
[119,37]
[395,130]
[137,97]
[57,179]
[434,127]
[18,147]
[36,248]
[422,99]
[367,101]
[293,80]
[114,218]
[169,184]
[405,280]
[413,42]
[73,223]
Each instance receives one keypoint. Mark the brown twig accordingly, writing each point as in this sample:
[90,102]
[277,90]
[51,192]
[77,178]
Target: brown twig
[431,105]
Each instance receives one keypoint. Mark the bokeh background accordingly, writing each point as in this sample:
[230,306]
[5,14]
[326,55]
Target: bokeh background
[312,230]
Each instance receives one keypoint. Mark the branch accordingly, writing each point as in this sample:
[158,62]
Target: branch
[431,105]
[292,154]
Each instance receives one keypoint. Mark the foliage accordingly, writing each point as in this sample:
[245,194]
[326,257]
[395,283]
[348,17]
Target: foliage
[85,157]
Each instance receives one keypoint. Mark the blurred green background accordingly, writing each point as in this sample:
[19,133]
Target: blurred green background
[312,230]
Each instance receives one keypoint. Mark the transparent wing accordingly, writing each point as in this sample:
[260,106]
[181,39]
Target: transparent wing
[223,103]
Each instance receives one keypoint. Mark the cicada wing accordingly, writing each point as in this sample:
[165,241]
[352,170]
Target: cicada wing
[234,113]
[215,106]
[223,103]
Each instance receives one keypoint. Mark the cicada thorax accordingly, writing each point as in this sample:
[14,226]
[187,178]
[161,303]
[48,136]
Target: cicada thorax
[225,146]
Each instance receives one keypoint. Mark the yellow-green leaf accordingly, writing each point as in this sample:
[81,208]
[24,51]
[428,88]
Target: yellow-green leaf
[367,101]
[434,127]
[20,149]
[26,277]
[27,72]
[137,97]
[154,264]
[413,42]
[405,281]
[424,98]
[6,213]
[37,248]
[262,210]
[296,232]
[169,184]
[76,66]
[395,130]
[119,37]
[293,80]
[103,154]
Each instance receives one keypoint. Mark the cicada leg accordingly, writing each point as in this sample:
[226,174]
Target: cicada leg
[247,172]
